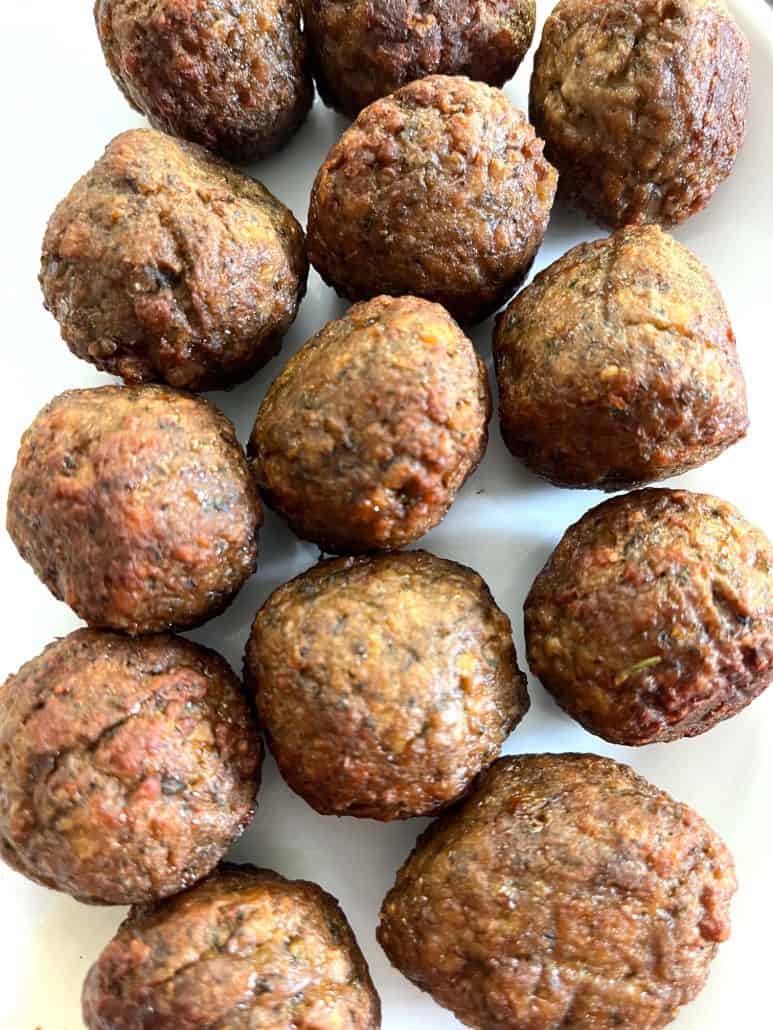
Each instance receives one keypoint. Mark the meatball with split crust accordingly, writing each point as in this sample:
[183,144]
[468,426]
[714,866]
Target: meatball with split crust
[242,950]
[135,506]
[366,436]
[127,767]
[165,264]
[653,618]
[566,891]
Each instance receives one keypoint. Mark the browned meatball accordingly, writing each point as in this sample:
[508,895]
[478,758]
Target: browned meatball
[135,506]
[244,949]
[232,75]
[384,684]
[365,49]
[438,190]
[618,366]
[373,426]
[653,618]
[127,767]
[565,892]
[164,264]
[642,104]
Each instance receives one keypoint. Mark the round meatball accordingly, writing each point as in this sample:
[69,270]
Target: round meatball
[439,190]
[127,767]
[384,684]
[244,949]
[653,618]
[366,49]
[565,892]
[642,104]
[373,426]
[232,75]
[135,506]
[164,264]
[617,365]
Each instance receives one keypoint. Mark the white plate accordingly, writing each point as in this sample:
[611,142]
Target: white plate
[60,109]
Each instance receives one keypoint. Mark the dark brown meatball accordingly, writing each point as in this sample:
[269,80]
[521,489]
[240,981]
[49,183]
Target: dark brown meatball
[565,892]
[244,949]
[384,684]
[232,75]
[164,264]
[373,426]
[642,104]
[135,506]
[653,618]
[438,190]
[127,767]
[365,49]
[617,365]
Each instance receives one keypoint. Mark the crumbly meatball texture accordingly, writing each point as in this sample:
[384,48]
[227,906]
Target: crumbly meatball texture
[384,684]
[565,892]
[127,767]
[232,75]
[617,365]
[364,50]
[164,264]
[653,618]
[439,190]
[642,104]
[243,950]
[373,426]
[136,507]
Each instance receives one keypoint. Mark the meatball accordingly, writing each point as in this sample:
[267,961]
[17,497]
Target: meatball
[135,506]
[364,50]
[618,366]
[439,190]
[244,949]
[164,264]
[232,76]
[384,684]
[642,104]
[127,767]
[373,426]
[653,618]
[565,892]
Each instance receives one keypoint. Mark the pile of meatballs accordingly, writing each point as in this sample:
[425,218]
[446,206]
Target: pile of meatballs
[552,891]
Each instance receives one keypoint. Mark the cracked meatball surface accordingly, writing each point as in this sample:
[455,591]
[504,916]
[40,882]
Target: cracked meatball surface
[653,618]
[617,365]
[384,684]
[165,264]
[439,190]
[135,506]
[566,891]
[366,436]
[242,950]
[642,104]
[232,75]
[127,767]
[364,50]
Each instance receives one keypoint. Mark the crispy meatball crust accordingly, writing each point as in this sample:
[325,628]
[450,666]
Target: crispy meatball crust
[373,426]
[653,618]
[244,949]
[439,190]
[136,507]
[384,684]
[565,892]
[364,50]
[232,75]
[642,104]
[164,264]
[617,365]
[127,767]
